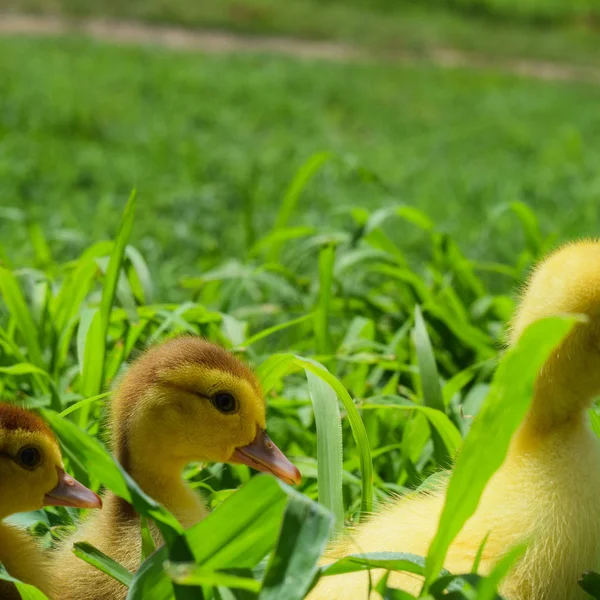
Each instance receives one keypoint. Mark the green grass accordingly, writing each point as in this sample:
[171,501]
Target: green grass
[384,366]
[398,377]
[212,143]
[554,30]
[352,231]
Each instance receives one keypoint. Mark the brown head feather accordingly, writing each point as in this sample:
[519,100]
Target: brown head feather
[175,353]
[13,418]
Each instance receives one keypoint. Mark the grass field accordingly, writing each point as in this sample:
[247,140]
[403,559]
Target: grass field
[552,30]
[375,219]
[200,135]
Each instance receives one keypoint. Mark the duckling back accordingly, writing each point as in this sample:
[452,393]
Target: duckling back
[546,492]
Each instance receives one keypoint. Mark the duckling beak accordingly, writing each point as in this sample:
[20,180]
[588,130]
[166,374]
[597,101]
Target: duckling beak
[69,492]
[263,455]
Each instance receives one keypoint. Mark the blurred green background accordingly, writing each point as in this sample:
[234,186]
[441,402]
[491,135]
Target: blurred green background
[211,140]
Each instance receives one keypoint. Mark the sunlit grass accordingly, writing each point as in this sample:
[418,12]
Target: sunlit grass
[402,351]
[200,137]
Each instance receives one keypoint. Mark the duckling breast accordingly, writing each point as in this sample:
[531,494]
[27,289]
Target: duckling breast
[546,495]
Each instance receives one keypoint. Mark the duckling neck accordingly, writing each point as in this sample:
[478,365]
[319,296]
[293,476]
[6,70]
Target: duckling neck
[157,473]
[566,385]
[21,557]
[165,484]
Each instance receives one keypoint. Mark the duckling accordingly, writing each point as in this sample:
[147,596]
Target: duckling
[182,401]
[546,493]
[31,476]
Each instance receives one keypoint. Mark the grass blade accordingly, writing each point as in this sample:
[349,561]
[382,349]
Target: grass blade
[488,587]
[486,445]
[83,403]
[302,177]
[27,592]
[238,534]
[391,561]
[111,279]
[446,430]
[302,539]
[242,530]
[190,574]
[430,379]
[19,311]
[276,328]
[148,546]
[91,346]
[430,382]
[23,369]
[102,562]
[590,583]
[329,445]
[323,338]
[358,428]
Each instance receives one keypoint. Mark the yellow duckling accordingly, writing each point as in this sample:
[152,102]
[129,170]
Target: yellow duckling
[185,400]
[31,476]
[548,489]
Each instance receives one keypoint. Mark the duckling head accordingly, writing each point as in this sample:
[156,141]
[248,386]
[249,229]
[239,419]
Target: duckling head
[566,282]
[32,474]
[188,400]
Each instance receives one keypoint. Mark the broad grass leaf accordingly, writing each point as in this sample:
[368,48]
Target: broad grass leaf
[590,583]
[242,530]
[238,534]
[458,382]
[304,533]
[86,401]
[430,381]
[279,236]
[150,580]
[273,369]
[148,545]
[28,592]
[356,424]
[329,445]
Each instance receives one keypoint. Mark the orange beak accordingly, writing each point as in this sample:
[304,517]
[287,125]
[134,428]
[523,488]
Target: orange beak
[69,492]
[263,455]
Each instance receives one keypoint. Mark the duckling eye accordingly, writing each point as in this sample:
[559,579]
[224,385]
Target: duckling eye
[224,402]
[29,457]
